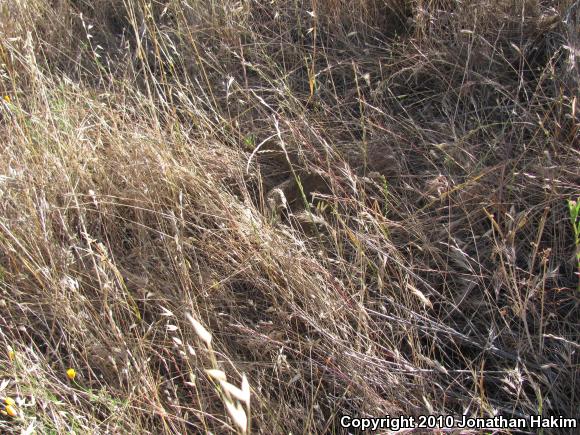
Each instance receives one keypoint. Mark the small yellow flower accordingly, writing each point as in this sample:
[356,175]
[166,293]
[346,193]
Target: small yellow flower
[71,373]
[9,401]
[7,98]
[11,411]
[11,355]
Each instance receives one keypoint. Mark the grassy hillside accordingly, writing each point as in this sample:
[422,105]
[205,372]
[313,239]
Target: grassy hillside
[258,216]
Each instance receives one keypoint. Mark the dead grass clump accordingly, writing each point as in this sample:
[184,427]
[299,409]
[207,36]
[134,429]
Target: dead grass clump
[314,209]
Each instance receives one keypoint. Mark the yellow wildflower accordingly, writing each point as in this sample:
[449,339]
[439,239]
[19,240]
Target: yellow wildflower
[11,411]
[7,98]
[11,355]
[71,373]
[9,401]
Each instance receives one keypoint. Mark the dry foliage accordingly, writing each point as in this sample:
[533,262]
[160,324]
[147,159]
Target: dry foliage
[360,205]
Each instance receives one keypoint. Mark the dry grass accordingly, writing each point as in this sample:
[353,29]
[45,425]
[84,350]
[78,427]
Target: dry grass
[364,202]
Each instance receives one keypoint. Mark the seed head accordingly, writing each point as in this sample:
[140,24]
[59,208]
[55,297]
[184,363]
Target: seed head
[237,393]
[200,330]
[216,374]
[238,415]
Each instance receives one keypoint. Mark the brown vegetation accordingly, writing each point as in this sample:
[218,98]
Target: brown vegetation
[364,202]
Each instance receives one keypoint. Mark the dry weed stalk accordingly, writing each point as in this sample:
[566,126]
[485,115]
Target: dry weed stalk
[365,202]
